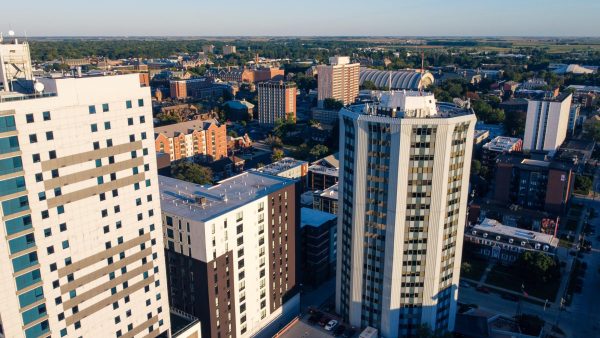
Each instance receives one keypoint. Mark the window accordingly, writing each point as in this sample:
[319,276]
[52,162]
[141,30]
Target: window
[105,107]
[109,143]
[49,135]
[32,138]
[46,115]
[42,196]
[35,158]
[65,244]
[47,232]
[39,177]
[29,118]
[130,121]
[57,191]
[96,147]
[45,214]
[63,227]
[50,250]
[142,119]
[144,135]
[128,104]
[140,102]
[94,127]
[52,154]
[107,125]
[92,109]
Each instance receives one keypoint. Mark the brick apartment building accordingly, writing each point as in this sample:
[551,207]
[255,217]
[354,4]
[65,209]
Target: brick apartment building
[533,183]
[206,140]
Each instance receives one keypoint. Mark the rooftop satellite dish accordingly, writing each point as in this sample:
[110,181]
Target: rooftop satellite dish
[11,33]
[38,87]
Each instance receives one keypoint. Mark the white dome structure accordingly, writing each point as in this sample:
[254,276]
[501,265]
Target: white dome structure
[400,79]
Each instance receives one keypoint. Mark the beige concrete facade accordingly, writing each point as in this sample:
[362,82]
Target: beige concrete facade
[82,247]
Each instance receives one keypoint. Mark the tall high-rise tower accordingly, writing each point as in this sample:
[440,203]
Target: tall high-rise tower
[339,80]
[81,247]
[404,175]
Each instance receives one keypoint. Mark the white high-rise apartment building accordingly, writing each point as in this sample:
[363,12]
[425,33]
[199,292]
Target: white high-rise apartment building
[339,80]
[81,247]
[404,177]
[547,122]
[231,252]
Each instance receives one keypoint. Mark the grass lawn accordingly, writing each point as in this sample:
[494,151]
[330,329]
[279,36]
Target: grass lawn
[504,277]
[477,268]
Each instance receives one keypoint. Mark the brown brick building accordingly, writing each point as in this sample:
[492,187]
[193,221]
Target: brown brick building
[206,140]
[231,252]
[533,183]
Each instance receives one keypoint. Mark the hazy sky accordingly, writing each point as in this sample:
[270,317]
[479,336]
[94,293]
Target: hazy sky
[301,17]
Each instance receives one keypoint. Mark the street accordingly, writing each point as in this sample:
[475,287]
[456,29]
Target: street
[581,318]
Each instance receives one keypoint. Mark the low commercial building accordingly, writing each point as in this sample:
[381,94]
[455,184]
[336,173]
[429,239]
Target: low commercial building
[318,241]
[533,182]
[231,252]
[326,200]
[323,173]
[498,146]
[287,167]
[492,239]
[203,140]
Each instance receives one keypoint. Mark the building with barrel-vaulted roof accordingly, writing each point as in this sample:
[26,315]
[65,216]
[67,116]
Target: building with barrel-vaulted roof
[399,79]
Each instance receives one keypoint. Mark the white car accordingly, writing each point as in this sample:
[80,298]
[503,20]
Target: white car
[332,323]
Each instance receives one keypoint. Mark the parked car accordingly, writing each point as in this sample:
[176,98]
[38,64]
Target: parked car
[331,325]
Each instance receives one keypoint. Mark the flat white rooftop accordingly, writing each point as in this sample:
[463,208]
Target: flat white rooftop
[204,202]
[495,227]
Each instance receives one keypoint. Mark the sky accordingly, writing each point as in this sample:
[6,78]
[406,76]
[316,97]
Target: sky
[302,18]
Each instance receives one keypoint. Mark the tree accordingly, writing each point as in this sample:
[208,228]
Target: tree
[514,123]
[583,184]
[232,133]
[274,141]
[319,151]
[192,172]
[277,155]
[592,131]
[536,268]
[333,104]
[368,85]
[475,167]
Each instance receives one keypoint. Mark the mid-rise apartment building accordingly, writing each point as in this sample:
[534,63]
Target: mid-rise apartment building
[81,244]
[547,122]
[205,140]
[498,146]
[403,190]
[231,251]
[276,101]
[227,49]
[339,80]
[534,182]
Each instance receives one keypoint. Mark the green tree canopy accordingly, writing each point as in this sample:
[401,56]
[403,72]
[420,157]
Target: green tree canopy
[192,172]
[333,104]
[277,155]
